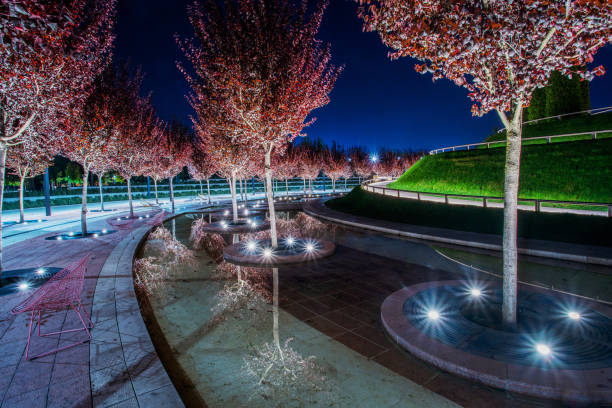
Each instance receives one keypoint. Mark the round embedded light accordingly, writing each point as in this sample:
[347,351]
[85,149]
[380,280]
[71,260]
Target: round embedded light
[251,245]
[290,241]
[475,292]
[140,218]
[39,220]
[95,235]
[543,349]
[59,238]
[253,224]
[574,315]
[40,271]
[246,212]
[104,231]
[309,247]
[71,234]
[267,252]
[23,286]
[433,314]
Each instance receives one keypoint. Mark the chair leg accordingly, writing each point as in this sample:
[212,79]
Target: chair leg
[27,350]
[88,319]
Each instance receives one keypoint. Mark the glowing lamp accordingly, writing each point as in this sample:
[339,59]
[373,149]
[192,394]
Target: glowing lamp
[574,315]
[475,292]
[23,286]
[267,253]
[543,349]
[433,314]
[251,245]
[95,235]
[40,271]
[59,238]
[104,231]
[309,247]
[290,241]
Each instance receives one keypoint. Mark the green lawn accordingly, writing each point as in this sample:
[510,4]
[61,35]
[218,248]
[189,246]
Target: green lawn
[571,171]
[593,230]
[571,124]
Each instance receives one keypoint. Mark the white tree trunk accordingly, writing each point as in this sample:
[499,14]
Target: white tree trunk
[511,187]
[171,193]
[287,187]
[3,149]
[84,202]
[268,172]
[208,188]
[232,183]
[129,184]
[155,186]
[100,176]
[21,212]
[275,332]
[333,185]
[304,180]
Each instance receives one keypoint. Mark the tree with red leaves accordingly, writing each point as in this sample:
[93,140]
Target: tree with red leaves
[259,66]
[501,52]
[136,129]
[26,160]
[360,162]
[335,164]
[286,166]
[179,149]
[156,166]
[310,165]
[50,52]
[201,167]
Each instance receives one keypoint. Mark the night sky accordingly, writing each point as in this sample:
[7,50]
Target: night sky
[376,102]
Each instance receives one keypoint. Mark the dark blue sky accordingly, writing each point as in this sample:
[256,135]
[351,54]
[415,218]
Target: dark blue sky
[376,102]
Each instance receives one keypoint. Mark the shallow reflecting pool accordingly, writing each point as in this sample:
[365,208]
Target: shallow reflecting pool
[310,334]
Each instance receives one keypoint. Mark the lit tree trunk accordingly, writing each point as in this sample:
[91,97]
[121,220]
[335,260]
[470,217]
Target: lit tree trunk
[84,201]
[100,176]
[171,193]
[201,190]
[241,190]
[21,182]
[232,183]
[129,183]
[275,333]
[310,184]
[270,198]
[3,149]
[208,188]
[304,180]
[333,185]
[345,180]
[511,186]
[155,187]
[287,187]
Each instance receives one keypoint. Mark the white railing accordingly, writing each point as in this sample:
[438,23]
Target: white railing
[591,112]
[526,139]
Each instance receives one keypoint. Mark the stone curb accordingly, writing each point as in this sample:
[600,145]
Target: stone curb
[124,366]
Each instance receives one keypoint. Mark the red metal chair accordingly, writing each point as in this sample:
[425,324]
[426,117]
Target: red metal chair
[157,220]
[62,291]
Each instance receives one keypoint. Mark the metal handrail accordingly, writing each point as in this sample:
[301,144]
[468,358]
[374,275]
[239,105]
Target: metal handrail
[537,202]
[488,144]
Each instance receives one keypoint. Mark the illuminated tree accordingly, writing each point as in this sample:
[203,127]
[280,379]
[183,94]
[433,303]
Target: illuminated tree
[136,130]
[50,52]
[360,162]
[201,167]
[178,153]
[286,166]
[501,52]
[310,165]
[260,67]
[335,164]
[25,160]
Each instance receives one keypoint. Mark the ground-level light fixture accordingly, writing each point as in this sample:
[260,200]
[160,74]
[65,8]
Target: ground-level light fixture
[226,212]
[433,314]
[543,349]
[290,241]
[40,271]
[23,286]
[251,245]
[267,253]
[104,231]
[574,315]
[475,292]
[309,247]
[95,235]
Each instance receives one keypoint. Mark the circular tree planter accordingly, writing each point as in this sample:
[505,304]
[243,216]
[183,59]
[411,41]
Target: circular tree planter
[560,349]
[260,252]
[78,235]
[242,226]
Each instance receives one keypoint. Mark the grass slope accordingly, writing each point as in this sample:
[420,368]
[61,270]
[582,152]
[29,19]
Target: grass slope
[572,171]
[590,230]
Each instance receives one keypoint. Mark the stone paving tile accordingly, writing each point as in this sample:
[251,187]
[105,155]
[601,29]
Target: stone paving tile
[30,375]
[148,374]
[111,385]
[360,344]
[75,392]
[129,403]
[326,326]
[32,399]
[6,374]
[165,397]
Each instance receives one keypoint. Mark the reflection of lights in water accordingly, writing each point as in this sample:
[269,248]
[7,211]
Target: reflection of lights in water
[40,271]
[433,314]
[23,286]
[572,314]
[543,349]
